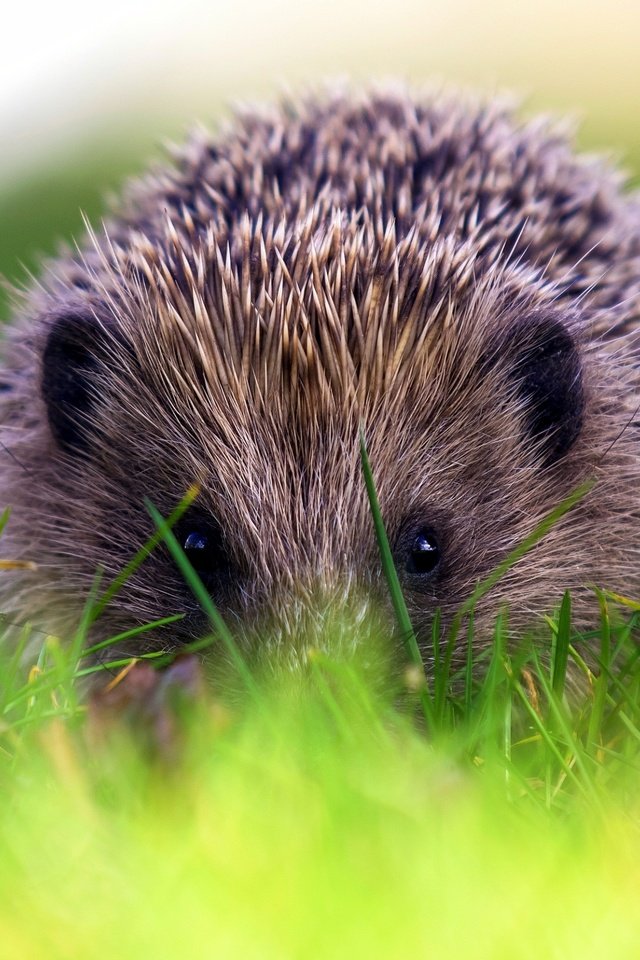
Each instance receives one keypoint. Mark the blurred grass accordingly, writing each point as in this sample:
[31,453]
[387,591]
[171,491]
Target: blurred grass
[44,209]
[317,820]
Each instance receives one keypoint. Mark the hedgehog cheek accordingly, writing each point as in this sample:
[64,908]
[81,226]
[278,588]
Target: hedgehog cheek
[547,377]
[70,359]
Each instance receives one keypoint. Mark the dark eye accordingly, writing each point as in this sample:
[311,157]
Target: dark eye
[204,550]
[196,541]
[424,553]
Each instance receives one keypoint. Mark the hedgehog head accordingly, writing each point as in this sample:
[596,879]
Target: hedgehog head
[242,322]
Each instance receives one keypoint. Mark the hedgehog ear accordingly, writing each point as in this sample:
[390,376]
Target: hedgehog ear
[72,354]
[547,376]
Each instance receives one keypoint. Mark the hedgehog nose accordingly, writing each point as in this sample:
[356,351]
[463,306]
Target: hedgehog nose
[340,625]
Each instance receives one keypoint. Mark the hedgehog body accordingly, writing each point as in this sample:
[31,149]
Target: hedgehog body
[455,282]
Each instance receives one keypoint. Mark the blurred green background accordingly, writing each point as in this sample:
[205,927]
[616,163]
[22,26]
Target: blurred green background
[88,93]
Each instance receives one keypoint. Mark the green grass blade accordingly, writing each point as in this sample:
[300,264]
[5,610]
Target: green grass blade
[602,682]
[395,590]
[202,595]
[560,647]
[117,664]
[468,672]
[548,740]
[133,632]
[141,555]
[561,725]
[522,548]
[391,575]
[4,518]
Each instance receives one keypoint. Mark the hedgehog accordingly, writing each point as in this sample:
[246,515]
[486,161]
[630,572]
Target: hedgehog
[425,267]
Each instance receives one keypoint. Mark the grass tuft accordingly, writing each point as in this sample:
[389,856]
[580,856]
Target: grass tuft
[489,812]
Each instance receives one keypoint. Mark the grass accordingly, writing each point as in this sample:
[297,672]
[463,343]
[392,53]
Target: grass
[341,810]
[317,819]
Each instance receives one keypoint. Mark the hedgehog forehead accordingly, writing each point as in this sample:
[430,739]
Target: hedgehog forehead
[244,438]
[328,312]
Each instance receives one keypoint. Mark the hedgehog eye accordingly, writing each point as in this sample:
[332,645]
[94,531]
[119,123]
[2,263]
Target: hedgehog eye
[203,550]
[196,541]
[424,554]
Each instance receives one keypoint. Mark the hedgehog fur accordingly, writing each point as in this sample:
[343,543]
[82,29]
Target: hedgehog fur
[455,281]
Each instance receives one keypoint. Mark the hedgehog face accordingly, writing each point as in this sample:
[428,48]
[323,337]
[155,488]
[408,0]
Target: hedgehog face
[458,434]
[458,285]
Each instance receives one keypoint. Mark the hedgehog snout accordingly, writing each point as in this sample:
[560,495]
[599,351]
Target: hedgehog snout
[336,621]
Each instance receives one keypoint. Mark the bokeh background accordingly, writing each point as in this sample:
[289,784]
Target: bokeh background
[89,91]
